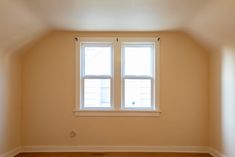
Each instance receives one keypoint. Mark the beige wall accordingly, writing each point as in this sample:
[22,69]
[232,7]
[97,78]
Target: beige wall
[222,103]
[49,97]
[10,102]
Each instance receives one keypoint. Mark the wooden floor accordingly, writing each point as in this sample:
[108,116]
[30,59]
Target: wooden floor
[113,155]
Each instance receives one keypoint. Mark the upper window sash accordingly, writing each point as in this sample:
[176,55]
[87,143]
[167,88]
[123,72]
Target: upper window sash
[132,45]
[85,71]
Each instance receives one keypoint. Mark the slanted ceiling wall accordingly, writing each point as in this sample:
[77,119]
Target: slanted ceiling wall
[49,97]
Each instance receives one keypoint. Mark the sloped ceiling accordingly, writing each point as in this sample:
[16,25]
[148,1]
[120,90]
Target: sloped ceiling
[215,23]
[18,26]
[21,21]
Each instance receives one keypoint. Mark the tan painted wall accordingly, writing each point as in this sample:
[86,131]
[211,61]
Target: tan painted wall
[49,97]
[222,103]
[10,102]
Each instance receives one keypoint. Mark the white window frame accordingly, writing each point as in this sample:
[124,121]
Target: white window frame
[132,43]
[116,108]
[81,57]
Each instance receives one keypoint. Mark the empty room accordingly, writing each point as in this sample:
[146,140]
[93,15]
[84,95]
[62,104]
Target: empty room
[117,78]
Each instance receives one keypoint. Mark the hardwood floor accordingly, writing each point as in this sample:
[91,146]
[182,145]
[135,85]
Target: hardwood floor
[79,154]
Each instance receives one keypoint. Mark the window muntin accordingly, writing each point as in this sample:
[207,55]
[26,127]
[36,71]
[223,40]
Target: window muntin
[96,75]
[138,76]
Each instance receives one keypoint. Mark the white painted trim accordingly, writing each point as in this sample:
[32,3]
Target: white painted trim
[181,149]
[114,113]
[215,153]
[158,73]
[81,44]
[152,42]
[11,153]
[117,100]
[188,149]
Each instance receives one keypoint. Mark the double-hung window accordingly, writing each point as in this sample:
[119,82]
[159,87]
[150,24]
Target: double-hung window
[117,76]
[138,75]
[96,61]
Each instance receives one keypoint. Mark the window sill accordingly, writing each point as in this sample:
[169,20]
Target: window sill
[108,113]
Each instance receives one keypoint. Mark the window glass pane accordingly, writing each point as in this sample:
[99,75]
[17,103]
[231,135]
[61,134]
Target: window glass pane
[137,93]
[98,60]
[138,60]
[97,93]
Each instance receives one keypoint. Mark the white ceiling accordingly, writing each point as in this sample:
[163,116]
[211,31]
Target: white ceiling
[21,21]
[115,15]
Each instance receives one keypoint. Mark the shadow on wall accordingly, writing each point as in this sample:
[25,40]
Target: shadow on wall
[10,99]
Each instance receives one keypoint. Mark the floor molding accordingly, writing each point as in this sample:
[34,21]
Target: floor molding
[183,149]
[191,149]
[12,152]
[215,153]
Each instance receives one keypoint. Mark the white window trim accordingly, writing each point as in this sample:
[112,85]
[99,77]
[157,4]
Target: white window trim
[116,109]
[114,113]
[106,42]
[137,43]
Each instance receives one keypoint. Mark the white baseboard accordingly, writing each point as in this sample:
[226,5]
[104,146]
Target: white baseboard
[11,153]
[215,153]
[193,149]
[183,149]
